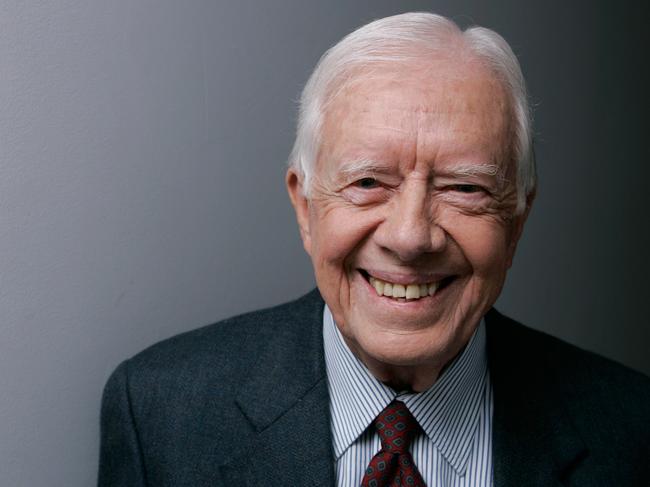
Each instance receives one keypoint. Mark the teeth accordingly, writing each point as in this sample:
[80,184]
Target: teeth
[388,289]
[399,291]
[432,288]
[410,291]
[378,285]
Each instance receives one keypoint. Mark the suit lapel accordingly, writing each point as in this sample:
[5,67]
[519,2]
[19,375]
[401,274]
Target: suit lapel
[534,442]
[286,401]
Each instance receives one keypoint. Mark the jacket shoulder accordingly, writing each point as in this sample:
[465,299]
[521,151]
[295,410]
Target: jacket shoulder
[165,410]
[221,347]
[607,403]
[564,362]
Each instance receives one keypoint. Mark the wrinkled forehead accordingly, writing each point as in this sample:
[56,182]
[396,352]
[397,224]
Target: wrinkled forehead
[460,99]
[440,92]
[419,71]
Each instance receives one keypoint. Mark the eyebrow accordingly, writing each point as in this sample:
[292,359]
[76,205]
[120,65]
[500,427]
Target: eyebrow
[356,167]
[475,169]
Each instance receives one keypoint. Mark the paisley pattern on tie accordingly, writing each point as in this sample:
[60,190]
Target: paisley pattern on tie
[393,465]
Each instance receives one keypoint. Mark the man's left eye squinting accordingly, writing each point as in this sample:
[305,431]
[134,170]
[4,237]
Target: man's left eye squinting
[367,183]
[466,188]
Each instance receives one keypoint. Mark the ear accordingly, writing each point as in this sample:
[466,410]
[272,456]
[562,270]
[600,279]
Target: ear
[300,205]
[518,227]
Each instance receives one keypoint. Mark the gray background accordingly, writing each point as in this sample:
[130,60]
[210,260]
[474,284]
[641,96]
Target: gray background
[142,151]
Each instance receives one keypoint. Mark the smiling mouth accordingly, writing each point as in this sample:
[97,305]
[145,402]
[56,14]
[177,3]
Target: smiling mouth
[405,292]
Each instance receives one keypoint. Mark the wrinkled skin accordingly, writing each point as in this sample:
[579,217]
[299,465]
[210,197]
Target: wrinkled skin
[413,184]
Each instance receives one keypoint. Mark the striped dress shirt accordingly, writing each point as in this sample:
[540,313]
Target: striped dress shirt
[454,448]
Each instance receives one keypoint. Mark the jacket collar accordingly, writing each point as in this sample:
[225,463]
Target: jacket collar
[534,441]
[285,400]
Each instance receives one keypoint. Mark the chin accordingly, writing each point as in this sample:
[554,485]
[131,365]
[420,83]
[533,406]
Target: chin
[424,347]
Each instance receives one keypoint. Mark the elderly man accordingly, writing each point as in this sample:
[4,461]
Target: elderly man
[411,177]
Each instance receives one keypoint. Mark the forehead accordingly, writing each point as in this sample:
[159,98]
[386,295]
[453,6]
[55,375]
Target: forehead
[441,110]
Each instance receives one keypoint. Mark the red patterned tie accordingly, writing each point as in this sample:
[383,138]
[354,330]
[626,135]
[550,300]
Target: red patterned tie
[393,466]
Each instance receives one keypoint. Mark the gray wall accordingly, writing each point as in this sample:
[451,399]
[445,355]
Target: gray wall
[142,149]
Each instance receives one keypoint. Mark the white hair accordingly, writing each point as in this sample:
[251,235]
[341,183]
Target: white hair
[406,38]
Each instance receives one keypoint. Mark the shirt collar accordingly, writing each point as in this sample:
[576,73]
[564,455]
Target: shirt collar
[448,412]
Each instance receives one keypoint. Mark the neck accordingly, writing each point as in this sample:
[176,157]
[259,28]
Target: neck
[415,378]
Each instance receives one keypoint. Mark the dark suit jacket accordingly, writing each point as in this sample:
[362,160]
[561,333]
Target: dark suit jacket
[245,402]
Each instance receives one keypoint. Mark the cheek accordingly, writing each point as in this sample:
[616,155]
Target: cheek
[338,233]
[483,242]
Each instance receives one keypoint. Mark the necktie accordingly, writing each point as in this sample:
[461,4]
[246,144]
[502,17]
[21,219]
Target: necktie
[393,465]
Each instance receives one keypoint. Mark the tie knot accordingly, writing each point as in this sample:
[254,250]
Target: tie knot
[396,427]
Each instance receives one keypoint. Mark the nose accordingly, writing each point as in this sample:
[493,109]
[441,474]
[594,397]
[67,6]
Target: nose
[410,229]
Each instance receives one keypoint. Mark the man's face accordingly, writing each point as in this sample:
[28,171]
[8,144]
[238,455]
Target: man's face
[413,195]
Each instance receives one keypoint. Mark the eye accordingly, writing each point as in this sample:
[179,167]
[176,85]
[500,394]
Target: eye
[466,188]
[366,191]
[367,183]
